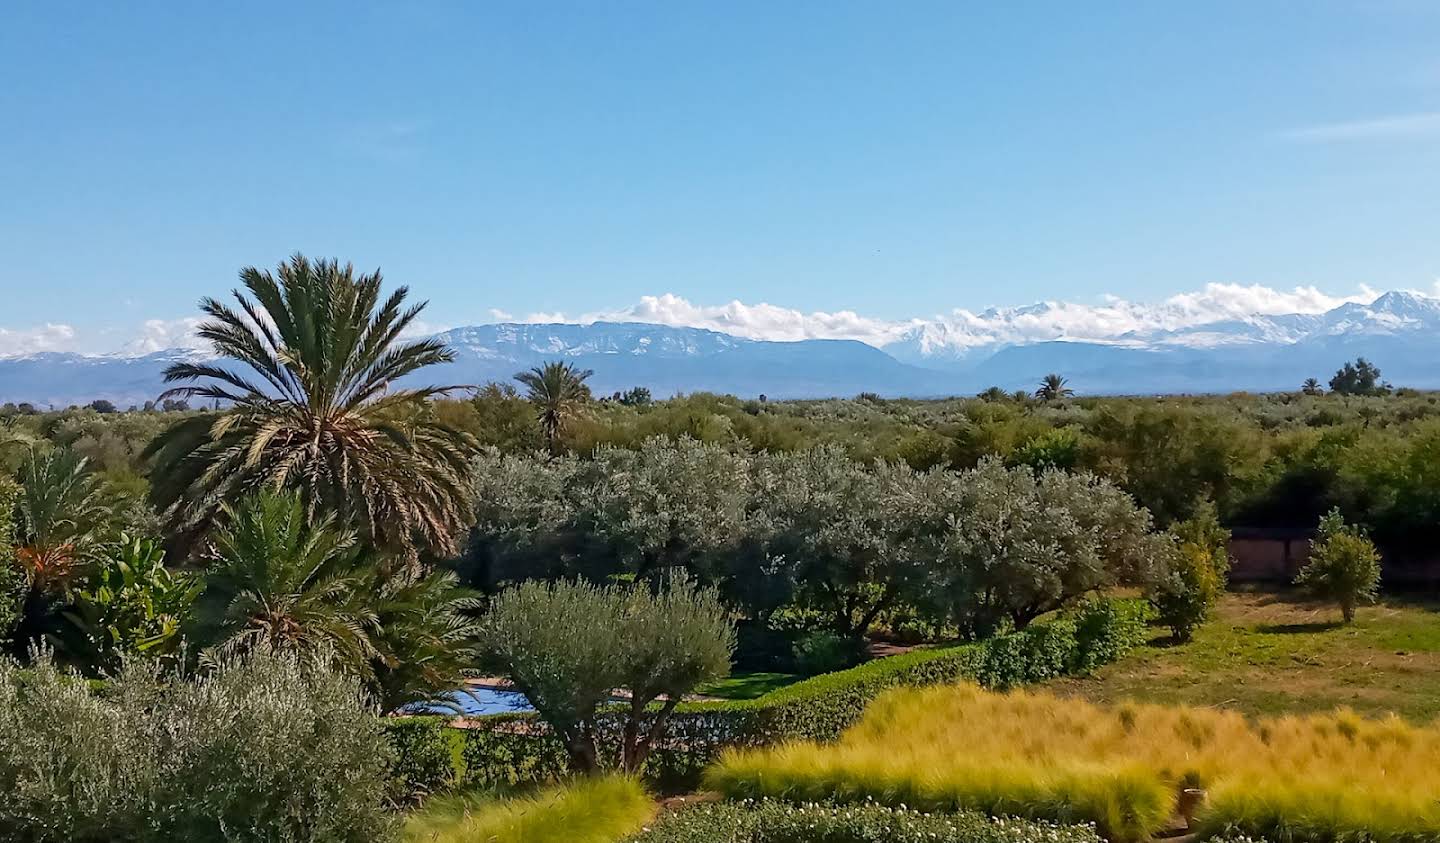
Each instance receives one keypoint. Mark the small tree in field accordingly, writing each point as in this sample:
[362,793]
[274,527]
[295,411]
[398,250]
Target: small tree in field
[1184,595]
[1344,566]
[568,645]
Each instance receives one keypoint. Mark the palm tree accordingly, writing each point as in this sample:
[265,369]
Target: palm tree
[1311,386]
[62,516]
[558,390]
[426,636]
[1052,388]
[280,581]
[312,360]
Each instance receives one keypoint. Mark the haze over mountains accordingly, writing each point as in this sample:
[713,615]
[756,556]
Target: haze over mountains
[1400,331]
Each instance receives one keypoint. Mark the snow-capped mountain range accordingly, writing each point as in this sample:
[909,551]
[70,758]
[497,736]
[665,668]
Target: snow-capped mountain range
[1011,348]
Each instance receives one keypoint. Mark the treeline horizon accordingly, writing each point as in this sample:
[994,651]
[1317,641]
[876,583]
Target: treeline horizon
[1264,460]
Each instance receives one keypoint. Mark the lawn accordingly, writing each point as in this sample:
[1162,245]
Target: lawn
[747,686]
[1272,653]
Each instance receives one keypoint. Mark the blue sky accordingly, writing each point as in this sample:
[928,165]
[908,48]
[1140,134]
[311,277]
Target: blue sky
[891,159]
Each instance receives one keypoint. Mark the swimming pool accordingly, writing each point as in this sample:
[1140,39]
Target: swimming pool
[474,701]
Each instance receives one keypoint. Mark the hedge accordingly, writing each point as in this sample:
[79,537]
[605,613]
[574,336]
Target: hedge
[510,749]
[778,822]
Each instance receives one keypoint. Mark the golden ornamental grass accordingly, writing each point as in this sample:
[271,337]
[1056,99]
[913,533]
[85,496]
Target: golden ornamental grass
[593,810]
[1315,777]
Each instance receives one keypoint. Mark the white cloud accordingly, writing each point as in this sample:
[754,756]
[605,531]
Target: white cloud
[160,334]
[1396,127]
[757,321]
[48,337]
[1113,320]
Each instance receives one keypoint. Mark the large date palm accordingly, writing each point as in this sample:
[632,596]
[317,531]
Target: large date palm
[309,368]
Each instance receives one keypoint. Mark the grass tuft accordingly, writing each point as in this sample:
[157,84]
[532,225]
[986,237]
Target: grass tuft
[598,810]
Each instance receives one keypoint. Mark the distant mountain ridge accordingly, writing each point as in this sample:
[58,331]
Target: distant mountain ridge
[1399,331]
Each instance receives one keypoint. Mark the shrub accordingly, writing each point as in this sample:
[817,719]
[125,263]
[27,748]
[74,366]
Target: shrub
[567,646]
[271,748]
[1034,654]
[12,579]
[428,756]
[823,651]
[1343,566]
[1106,630]
[768,821]
[596,810]
[507,754]
[130,604]
[1184,596]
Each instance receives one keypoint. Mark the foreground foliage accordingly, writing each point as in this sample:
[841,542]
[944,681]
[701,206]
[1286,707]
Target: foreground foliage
[592,810]
[1315,778]
[1185,595]
[270,748]
[769,821]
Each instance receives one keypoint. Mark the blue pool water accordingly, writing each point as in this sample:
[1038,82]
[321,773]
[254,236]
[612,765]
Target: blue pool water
[476,701]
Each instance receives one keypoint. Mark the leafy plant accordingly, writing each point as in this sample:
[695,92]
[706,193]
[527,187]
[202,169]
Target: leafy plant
[1184,595]
[62,515]
[822,651]
[13,585]
[130,605]
[1344,566]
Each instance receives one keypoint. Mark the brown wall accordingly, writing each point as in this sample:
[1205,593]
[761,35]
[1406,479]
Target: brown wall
[1267,559]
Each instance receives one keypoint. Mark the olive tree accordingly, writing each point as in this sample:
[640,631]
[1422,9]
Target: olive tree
[569,645]
[1017,545]
[839,526]
[673,640]
[1343,567]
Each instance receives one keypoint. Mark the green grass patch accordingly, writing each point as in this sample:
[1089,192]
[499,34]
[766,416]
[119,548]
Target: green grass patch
[748,686]
[600,810]
[1271,654]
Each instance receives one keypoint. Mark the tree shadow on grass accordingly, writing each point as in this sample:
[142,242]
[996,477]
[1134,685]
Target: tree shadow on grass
[1293,628]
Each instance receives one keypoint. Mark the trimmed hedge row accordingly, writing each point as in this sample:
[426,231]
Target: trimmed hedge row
[510,749]
[778,822]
